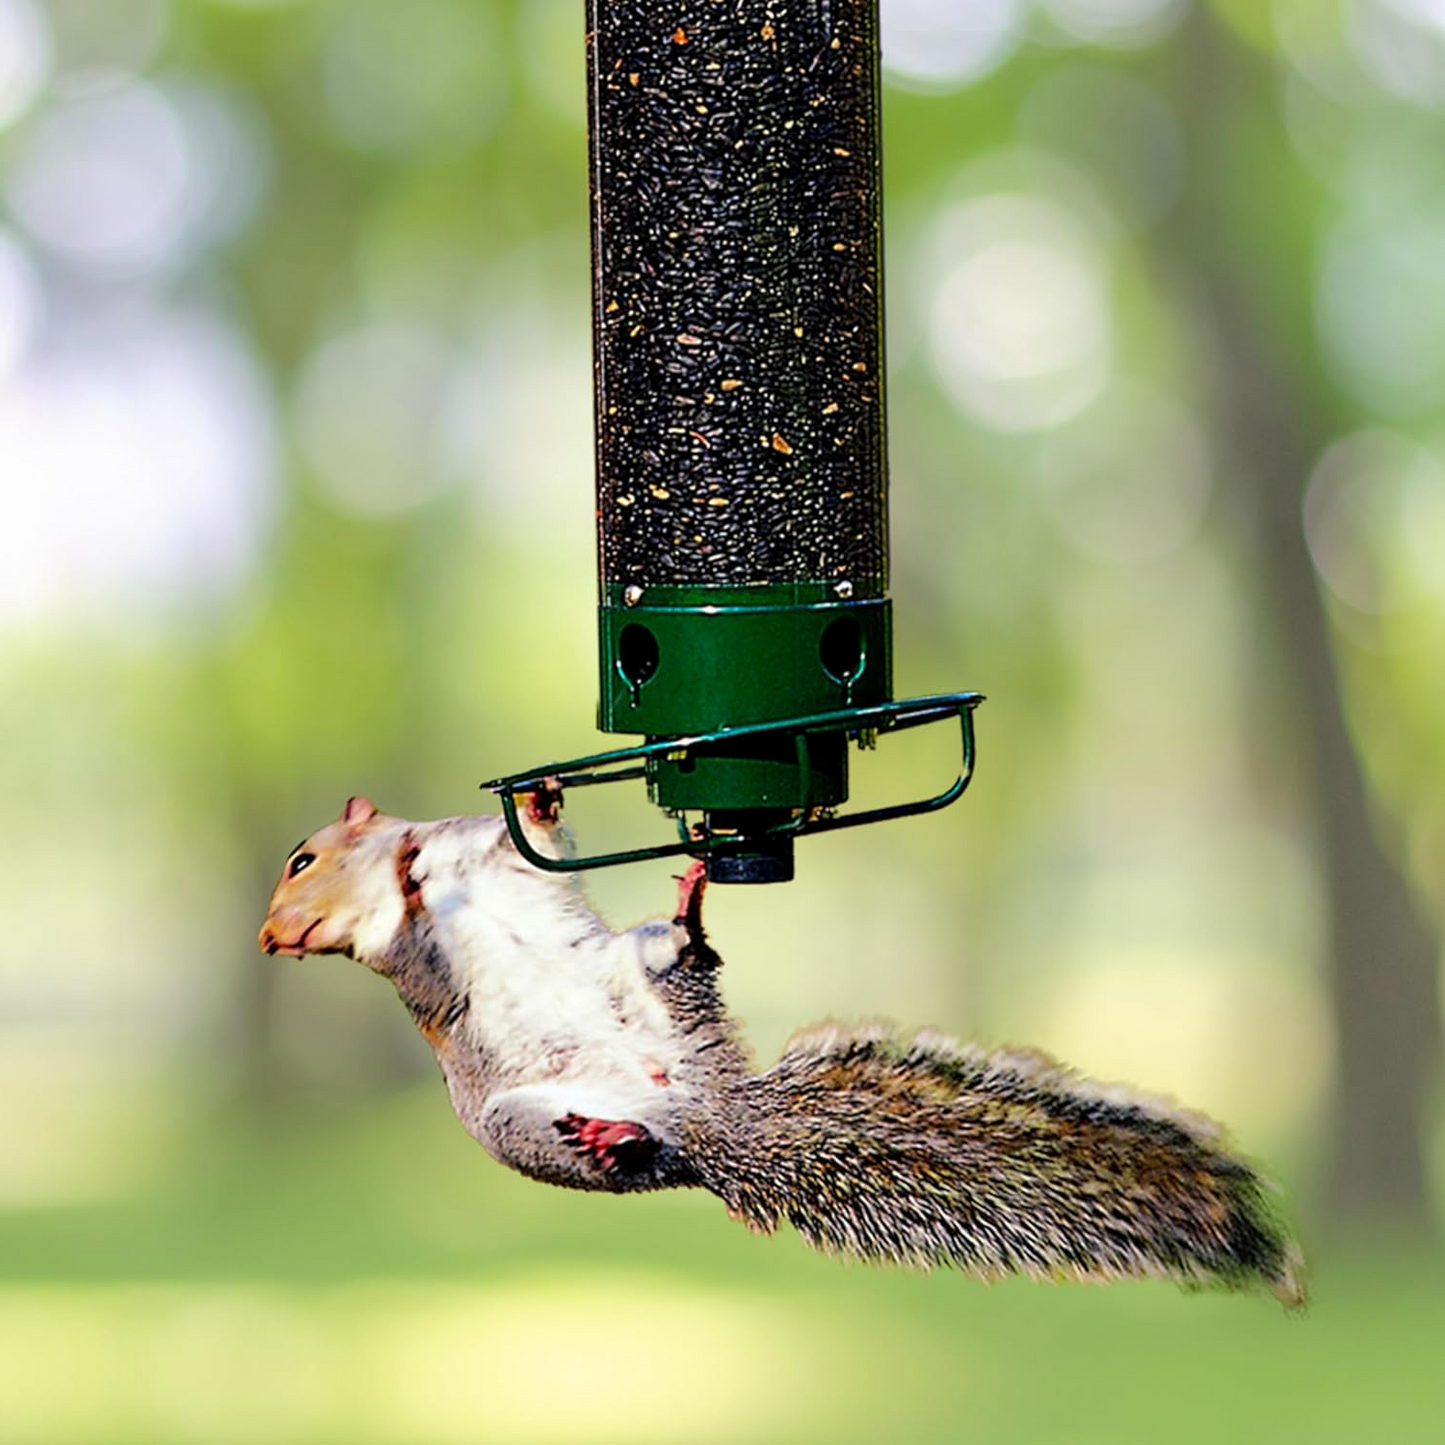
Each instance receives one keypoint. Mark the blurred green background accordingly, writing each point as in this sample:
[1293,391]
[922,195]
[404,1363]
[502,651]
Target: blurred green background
[295,481]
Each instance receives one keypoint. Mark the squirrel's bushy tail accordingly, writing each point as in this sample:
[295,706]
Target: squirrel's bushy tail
[925,1152]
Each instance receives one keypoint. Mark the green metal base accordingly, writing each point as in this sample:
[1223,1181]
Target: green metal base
[670,667]
[670,655]
[753,773]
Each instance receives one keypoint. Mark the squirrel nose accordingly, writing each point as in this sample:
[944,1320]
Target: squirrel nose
[268,941]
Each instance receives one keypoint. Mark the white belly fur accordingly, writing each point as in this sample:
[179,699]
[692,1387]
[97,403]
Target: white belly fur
[554,993]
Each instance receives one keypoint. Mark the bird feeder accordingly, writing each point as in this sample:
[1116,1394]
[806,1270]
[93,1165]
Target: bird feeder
[745,628]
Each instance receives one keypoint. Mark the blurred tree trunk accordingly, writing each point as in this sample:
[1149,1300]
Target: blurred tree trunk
[1273,416]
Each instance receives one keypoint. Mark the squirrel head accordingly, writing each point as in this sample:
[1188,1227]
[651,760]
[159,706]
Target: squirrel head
[354,885]
[338,891]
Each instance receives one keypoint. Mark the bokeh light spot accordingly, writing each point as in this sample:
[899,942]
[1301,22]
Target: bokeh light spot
[135,177]
[368,409]
[21,304]
[102,178]
[25,55]
[1121,23]
[520,422]
[943,44]
[1020,323]
[142,446]
[1401,45]
[1374,517]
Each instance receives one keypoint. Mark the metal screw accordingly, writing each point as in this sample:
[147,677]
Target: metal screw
[633,595]
[844,590]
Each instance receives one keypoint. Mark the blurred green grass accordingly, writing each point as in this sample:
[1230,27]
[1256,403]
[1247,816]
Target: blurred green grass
[367,1274]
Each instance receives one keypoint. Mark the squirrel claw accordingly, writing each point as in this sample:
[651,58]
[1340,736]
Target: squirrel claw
[610,1142]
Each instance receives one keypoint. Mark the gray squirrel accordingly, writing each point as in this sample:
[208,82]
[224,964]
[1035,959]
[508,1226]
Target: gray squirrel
[600,1060]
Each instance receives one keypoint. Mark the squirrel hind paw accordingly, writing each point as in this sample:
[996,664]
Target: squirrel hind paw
[612,1144]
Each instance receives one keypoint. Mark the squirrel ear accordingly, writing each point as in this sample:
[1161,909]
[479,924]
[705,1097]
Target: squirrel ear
[358,810]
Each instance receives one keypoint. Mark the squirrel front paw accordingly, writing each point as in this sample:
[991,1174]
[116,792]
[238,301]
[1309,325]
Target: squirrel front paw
[544,802]
[612,1144]
[693,947]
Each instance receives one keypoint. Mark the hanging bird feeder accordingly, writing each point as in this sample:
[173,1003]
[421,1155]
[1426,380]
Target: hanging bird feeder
[742,484]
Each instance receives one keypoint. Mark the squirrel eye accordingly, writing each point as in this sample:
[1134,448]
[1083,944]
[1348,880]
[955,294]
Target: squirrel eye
[300,863]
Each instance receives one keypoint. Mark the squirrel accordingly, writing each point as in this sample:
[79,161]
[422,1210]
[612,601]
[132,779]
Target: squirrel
[593,1059]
